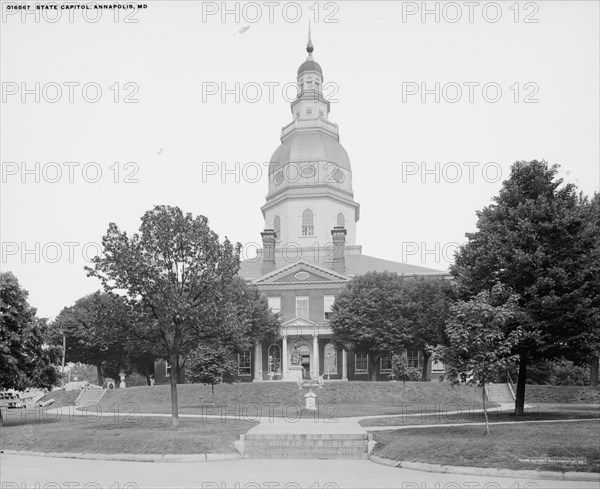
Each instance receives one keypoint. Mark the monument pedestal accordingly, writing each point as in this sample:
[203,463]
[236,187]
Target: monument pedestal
[295,373]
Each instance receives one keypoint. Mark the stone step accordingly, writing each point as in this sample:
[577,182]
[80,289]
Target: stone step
[306,445]
[310,455]
[89,396]
[306,436]
[500,393]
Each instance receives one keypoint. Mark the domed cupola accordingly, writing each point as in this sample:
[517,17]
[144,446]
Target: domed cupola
[310,64]
[310,172]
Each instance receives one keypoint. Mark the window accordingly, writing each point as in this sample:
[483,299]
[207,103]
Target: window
[275,304]
[361,363]
[297,115]
[274,364]
[320,113]
[341,220]
[167,369]
[413,357]
[244,363]
[277,227]
[385,364]
[308,111]
[302,307]
[330,359]
[308,227]
[437,367]
[328,301]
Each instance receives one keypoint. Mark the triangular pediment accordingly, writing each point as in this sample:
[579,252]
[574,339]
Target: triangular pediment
[300,322]
[301,272]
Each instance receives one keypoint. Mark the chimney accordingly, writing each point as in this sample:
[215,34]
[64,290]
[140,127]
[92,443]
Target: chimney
[268,253]
[338,235]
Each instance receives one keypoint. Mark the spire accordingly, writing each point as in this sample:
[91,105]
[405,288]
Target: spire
[309,47]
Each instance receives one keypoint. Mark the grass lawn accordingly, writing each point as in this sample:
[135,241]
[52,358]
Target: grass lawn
[506,444]
[62,398]
[335,399]
[541,412]
[562,394]
[23,431]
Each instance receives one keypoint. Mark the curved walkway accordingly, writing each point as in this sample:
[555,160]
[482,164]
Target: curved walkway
[23,471]
[18,470]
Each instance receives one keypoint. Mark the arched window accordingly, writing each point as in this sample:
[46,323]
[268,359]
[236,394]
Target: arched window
[308,227]
[330,360]
[277,227]
[274,359]
[341,220]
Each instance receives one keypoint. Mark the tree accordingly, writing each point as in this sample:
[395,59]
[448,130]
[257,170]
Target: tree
[96,328]
[177,274]
[211,365]
[537,239]
[369,314]
[427,310]
[26,360]
[480,339]
[252,312]
[403,371]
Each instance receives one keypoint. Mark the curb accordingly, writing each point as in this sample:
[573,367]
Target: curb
[489,472]
[132,457]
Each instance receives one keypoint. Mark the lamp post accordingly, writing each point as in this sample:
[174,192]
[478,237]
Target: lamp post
[328,365]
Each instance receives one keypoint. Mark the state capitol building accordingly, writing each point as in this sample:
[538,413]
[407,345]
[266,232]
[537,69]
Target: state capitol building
[309,250]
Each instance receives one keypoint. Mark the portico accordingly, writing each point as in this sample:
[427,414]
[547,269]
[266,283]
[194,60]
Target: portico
[304,351]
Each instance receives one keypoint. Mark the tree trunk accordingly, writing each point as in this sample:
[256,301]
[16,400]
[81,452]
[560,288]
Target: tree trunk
[147,372]
[425,362]
[487,425]
[173,378]
[373,361]
[594,371]
[179,378]
[520,400]
[62,370]
[99,372]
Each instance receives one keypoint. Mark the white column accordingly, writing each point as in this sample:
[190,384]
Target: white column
[315,355]
[257,361]
[344,365]
[284,358]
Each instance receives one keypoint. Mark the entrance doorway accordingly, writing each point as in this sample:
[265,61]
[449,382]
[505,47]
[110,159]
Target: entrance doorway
[305,361]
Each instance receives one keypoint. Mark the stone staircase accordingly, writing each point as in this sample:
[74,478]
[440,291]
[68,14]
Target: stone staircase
[305,445]
[89,396]
[500,393]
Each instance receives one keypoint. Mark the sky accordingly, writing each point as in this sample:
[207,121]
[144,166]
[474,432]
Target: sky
[107,113]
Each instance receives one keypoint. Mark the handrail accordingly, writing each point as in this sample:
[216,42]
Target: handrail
[511,386]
